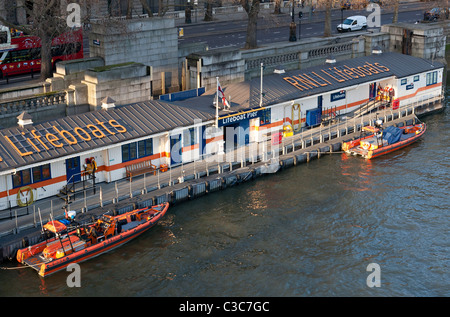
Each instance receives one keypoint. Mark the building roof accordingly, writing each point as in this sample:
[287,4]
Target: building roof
[291,85]
[40,142]
[24,116]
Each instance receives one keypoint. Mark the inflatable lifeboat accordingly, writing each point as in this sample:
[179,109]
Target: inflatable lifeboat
[64,245]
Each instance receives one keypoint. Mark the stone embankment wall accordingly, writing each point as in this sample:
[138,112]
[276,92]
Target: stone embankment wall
[151,42]
[141,59]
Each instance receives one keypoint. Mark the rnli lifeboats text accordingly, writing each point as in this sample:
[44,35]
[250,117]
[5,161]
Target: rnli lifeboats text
[306,81]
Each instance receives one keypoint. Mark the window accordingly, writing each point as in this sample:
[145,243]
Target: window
[432,78]
[18,56]
[416,78]
[403,82]
[145,148]
[138,149]
[3,37]
[37,173]
[41,173]
[29,176]
[35,53]
[129,152]
[265,116]
[65,49]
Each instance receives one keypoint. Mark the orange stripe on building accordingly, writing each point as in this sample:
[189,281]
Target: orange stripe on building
[215,139]
[37,185]
[419,90]
[190,148]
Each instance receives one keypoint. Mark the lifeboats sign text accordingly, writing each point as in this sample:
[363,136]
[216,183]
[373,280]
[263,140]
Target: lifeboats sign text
[34,141]
[337,74]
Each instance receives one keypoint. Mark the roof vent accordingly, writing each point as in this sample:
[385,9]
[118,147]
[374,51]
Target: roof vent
[279,70]
[330,59]
[377,50]
[24,119]
[108,103]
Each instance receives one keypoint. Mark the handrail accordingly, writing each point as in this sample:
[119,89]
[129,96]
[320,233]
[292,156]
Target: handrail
[70,184]
[39,101]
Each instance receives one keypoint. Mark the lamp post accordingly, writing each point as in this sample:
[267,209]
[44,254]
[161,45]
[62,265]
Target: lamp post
[188,12]
[300,15]
[292,27]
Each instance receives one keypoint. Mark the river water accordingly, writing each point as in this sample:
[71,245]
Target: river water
[310,230]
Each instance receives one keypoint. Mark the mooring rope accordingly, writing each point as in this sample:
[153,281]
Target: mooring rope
[19,267]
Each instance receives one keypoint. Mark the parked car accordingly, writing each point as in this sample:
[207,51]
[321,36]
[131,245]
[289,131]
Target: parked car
[353,23]
[436,14]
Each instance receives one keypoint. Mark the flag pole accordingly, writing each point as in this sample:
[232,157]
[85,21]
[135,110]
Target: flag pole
[217,102]
[261,87]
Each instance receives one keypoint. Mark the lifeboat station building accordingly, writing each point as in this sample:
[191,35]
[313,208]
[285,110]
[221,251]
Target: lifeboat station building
[44,157]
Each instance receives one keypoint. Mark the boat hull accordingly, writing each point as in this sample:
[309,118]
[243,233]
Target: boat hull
[48,267]
[352,147]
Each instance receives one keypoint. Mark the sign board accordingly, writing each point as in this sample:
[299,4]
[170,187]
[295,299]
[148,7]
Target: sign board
[410,86]
[337,96]
[238,117]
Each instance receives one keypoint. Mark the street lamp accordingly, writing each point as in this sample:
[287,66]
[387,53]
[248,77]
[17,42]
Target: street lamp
[300,15]
[187,12]
[292,27]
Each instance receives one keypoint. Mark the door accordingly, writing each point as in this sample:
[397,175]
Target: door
[236,135]
[372,91]
[175,149]
[244,137]
[73,170]
[320,103]
[202,145]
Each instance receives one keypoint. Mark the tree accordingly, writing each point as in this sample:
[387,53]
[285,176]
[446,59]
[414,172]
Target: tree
[396,6]
[252,9]
[45,23]
[277,7]
[327,28]
[209,11]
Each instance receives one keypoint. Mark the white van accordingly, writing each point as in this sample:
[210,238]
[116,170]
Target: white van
[353,23]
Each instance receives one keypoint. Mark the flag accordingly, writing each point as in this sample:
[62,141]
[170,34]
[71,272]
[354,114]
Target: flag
[221,95]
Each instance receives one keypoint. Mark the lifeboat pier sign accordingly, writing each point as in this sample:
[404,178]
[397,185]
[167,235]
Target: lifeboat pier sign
[240,116]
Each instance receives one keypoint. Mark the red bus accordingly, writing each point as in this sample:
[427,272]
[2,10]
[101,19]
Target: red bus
[20,54]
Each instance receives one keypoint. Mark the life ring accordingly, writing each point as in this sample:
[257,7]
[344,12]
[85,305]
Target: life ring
[19,194]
